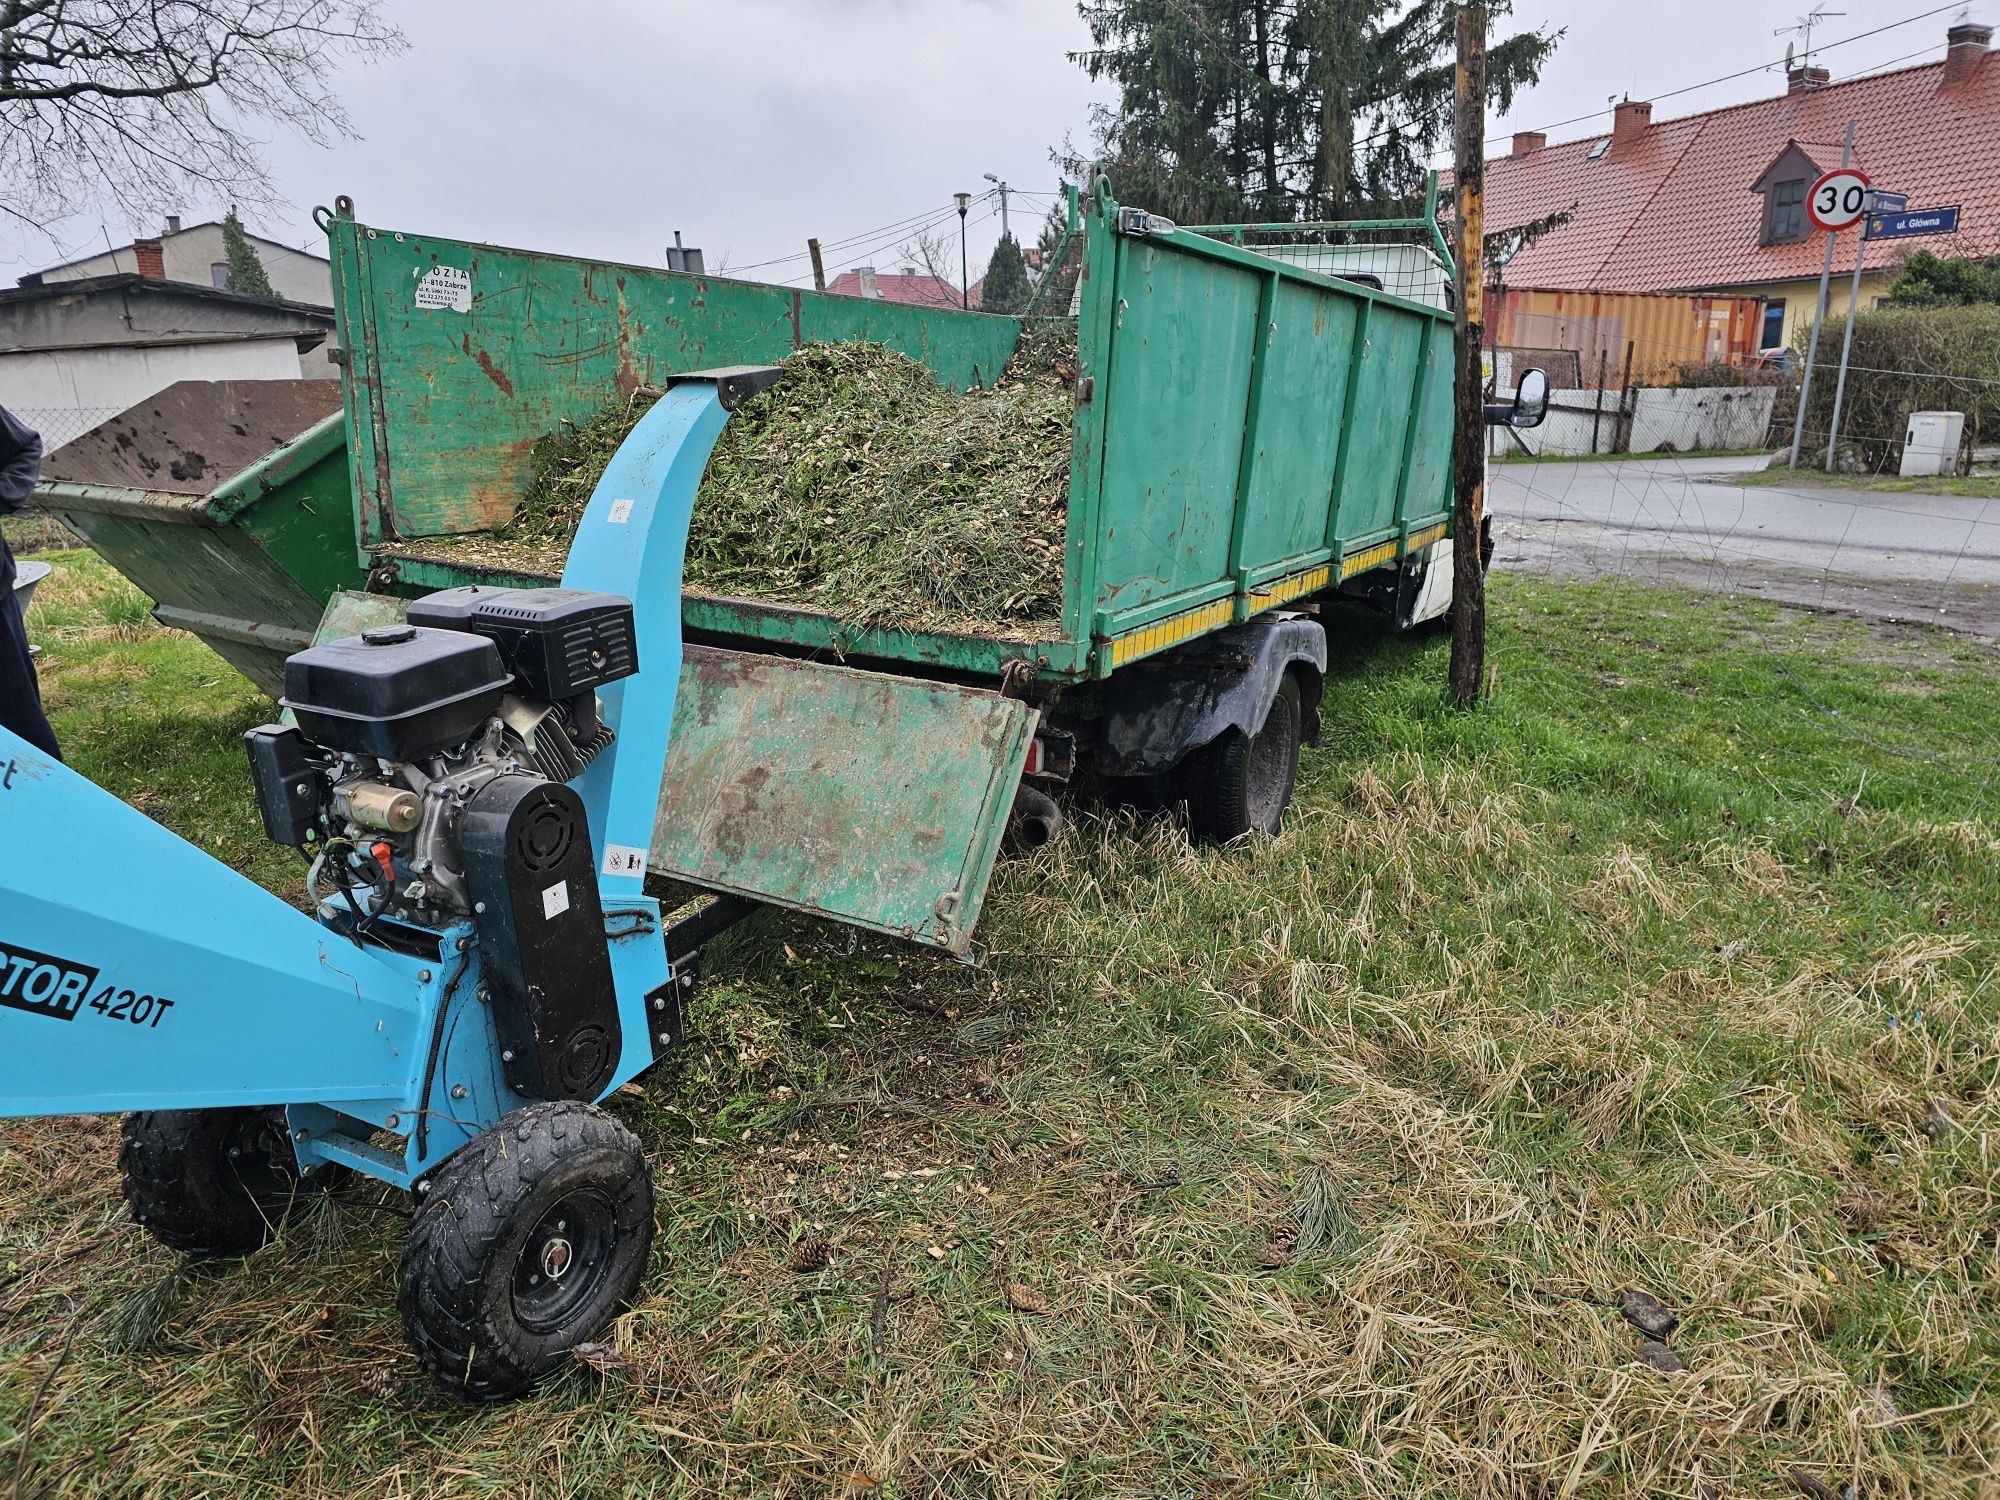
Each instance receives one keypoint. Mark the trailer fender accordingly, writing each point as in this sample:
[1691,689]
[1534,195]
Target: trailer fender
[1155,713]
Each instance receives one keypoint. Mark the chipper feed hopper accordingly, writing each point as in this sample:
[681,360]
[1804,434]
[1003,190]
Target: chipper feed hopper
[475,788]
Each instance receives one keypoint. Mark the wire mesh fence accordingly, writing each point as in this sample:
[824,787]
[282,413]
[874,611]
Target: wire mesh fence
[60,424]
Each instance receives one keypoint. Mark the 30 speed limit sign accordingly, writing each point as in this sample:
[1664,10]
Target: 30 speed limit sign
[1839,199]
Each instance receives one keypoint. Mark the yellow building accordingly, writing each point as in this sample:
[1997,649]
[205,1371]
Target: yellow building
[1716,203]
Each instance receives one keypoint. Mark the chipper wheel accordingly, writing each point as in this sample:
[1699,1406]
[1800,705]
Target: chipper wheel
[1240,783]
[526,1244]
[210,1181]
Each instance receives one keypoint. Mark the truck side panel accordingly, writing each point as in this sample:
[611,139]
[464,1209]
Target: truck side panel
[1263,431]
[461,356]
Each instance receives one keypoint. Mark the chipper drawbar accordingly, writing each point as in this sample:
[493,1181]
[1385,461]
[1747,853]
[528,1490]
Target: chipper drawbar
[476,790]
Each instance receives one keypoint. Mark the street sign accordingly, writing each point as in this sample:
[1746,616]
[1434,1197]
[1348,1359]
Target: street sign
[1882,202]
[1909,221]
[1838,200]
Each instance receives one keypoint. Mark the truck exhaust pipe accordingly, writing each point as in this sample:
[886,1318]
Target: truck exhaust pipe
[1036,818]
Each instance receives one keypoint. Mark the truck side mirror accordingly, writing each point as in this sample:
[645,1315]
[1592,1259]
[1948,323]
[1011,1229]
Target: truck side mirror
[1531,400]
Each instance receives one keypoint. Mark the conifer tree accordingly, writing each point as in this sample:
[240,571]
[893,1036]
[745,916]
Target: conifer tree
[1283,109]
[1006,287]
[246,271]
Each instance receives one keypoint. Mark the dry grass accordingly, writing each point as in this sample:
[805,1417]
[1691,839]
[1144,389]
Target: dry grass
[1312,1168]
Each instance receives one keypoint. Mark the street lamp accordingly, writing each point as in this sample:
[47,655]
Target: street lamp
[964,201]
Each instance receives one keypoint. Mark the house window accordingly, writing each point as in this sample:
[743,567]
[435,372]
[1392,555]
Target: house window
[1785,212]
[1774,325]
[218,272]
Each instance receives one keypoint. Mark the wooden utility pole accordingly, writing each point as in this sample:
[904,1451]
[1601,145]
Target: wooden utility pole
[819,266]
[1468,582]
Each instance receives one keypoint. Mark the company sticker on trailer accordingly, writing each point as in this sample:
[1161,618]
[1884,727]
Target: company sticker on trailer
[446,287]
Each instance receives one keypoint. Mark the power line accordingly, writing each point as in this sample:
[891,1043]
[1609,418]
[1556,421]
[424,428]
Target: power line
[895,224]
[1759,68]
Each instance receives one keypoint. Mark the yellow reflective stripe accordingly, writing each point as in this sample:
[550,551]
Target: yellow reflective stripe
[1425,537]
[1279,593]
[1374,557]
[1169,632]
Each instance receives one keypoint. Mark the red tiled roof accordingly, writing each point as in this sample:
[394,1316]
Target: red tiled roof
[917,288]
[1672,209]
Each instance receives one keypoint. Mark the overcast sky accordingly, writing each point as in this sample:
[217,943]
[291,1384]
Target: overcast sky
[602,126]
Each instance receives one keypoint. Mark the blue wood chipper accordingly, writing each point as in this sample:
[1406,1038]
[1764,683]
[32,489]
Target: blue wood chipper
[482,964]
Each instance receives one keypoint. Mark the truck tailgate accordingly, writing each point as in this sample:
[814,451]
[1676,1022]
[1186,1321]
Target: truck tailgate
[859,796]
[869,798]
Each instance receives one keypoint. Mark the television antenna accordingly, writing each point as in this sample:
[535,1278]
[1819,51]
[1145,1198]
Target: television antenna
[1804,27]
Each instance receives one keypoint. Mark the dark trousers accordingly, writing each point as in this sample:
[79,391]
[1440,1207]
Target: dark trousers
[20,695]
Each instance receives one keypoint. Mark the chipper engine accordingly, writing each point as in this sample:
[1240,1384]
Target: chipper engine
[473,791]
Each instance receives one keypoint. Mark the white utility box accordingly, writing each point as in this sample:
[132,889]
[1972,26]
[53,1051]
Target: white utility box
[1932,443]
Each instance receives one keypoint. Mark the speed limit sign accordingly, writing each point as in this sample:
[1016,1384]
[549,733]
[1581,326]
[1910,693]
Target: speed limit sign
[1839,199]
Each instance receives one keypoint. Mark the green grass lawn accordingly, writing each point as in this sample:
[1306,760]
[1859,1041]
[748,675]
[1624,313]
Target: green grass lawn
[1973,487]
[1317,1167]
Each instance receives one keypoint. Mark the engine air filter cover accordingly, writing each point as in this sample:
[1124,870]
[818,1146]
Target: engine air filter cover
[396,691]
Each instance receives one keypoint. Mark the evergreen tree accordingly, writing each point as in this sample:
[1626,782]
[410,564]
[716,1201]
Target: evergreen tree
[1283,109]
[1006,288]
[1062,260]
[246,271]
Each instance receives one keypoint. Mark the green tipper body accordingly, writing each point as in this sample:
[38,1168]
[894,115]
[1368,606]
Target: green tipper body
[1248,434]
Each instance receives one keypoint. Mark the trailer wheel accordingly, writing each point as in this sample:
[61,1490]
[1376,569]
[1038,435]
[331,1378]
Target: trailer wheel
[1238,783]
[526,1245]
[210,1181]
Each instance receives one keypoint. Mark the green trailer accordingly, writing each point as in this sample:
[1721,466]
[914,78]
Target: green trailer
[1255,434]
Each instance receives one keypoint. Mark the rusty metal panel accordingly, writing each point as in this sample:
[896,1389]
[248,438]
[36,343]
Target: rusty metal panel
[1664,330]
[188,438]
[858,796]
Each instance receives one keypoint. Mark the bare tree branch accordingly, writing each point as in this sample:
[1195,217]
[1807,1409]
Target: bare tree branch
[138,104]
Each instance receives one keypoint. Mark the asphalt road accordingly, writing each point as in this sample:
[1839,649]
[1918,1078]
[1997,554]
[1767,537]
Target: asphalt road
[1920,558]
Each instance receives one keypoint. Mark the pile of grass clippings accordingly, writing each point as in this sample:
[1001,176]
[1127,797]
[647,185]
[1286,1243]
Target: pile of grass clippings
[860,486]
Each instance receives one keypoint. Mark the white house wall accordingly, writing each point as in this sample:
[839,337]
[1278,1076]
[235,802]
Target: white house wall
[192,255]
[67,392]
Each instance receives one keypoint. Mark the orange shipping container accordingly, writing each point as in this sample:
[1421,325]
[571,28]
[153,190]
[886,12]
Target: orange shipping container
[1663,329]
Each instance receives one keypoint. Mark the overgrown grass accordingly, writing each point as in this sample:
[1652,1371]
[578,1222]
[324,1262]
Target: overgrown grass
[1311,1168]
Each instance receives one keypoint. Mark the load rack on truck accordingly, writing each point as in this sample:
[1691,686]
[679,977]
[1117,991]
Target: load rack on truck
[483,768]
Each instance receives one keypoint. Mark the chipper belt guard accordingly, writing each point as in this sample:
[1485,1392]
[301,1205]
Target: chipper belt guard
[476,791]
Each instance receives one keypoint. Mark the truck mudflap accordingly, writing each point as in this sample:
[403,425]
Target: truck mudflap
[862,797]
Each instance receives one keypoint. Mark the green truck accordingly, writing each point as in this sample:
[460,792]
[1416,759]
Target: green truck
[1255,434]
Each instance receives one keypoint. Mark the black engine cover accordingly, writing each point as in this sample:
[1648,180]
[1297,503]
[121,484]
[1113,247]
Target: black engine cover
[528,863]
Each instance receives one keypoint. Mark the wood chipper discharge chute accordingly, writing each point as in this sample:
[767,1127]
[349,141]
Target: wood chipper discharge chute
[476,787]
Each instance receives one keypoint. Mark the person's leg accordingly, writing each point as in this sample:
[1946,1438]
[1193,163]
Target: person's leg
[20,694]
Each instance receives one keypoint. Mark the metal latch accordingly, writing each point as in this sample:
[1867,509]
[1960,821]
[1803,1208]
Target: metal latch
[1136,221]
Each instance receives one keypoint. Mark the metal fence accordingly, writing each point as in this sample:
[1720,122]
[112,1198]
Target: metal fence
[61,424]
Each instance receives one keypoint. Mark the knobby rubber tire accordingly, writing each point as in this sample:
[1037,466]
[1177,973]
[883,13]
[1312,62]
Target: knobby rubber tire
[1227,781]
[458,1290]
[210,1181]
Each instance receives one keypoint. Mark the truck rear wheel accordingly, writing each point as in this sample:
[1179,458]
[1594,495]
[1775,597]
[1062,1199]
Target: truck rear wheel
[527,1244]
[210,1181]
[1238,783]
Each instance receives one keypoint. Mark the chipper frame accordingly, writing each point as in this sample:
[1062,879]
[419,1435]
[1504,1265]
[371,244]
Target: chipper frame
[456,1051]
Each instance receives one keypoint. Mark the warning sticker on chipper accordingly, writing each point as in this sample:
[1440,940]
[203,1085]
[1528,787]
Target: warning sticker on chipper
[448,287]
[623,859]
[555,901]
